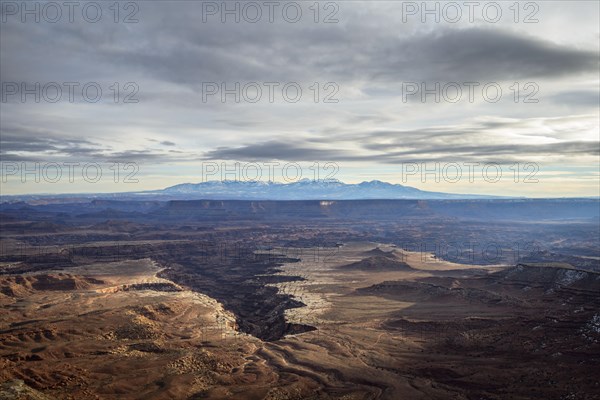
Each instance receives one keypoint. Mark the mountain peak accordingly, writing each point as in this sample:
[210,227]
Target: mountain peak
[326,180]
[376,182]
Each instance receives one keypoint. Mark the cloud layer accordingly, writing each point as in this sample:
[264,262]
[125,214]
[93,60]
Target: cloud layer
[369,54]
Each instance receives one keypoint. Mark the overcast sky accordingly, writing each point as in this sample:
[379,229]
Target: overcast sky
[360,66]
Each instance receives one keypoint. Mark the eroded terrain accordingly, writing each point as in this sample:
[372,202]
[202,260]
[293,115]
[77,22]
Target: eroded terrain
[192,306]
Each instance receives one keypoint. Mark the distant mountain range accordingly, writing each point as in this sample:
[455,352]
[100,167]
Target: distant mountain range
[305,189]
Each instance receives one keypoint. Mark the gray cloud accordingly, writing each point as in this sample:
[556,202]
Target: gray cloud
[563,148]
[484,54]
[20,139]
[22,144]
[174,47]
[471,54]
[586,98]
[478,141]
[270,151]
[278,150]
[170,52]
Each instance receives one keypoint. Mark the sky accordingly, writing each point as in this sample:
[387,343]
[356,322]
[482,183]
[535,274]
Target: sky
[485,97]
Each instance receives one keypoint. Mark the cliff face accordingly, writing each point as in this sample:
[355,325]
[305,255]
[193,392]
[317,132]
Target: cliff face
[577,286]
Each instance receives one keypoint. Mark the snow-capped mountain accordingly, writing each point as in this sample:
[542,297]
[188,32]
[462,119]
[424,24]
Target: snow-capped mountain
[304,189]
